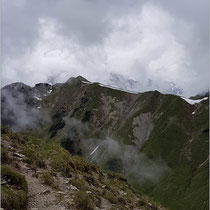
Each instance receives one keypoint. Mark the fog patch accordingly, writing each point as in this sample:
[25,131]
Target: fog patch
[74,133]
[21,113]
[126,159]
[111,155]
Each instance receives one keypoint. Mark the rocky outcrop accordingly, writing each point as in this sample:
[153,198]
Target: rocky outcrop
[20,104]
[142,127]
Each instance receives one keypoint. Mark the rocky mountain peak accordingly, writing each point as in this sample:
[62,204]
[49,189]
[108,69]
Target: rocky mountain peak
[200,96]
[17,86]
[78,79]
[41,89]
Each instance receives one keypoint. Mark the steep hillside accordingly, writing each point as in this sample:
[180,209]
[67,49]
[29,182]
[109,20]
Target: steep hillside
[159,142]
[45,176]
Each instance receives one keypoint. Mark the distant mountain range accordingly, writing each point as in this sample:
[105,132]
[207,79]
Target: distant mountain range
[130,84]
[158,141]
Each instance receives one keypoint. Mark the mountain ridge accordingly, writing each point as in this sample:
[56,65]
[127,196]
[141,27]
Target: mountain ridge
[162,131]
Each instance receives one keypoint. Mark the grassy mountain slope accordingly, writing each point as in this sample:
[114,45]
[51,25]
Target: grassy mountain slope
[178,137]
[63,181]
[160,142]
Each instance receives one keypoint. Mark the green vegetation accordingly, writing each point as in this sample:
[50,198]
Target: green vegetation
[48,179]
[179,139]
[4,155]
[58,122]
[14,192]
[181,142]
[91,183]
[83,201]
[13,178]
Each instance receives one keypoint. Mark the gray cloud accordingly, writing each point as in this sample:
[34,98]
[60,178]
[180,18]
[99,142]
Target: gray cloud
[20,106]
[126,159]
[112,155]
[16,114]
[142,40]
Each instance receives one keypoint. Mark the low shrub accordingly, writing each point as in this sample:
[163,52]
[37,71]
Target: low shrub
[12,198]
[14,193]
[47,179]
[110,196]
[4,155]
[80,184]
[13,178]
[83,201]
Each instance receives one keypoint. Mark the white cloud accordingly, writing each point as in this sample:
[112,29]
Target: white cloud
[141,46]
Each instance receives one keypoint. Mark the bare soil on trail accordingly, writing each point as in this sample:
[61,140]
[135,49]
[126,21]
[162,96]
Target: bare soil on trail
[44,197]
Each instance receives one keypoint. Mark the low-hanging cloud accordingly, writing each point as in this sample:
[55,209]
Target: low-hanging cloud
[18,115]
[112,155]
[144,41]
[127,159]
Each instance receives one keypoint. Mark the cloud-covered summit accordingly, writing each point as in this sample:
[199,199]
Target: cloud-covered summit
[160,42]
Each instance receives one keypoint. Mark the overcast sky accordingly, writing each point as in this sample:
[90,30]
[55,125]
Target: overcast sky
[144,40]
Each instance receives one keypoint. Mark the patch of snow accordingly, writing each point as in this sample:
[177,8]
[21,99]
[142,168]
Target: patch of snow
[191,101]
[37,98]
[203,162]
[193,112]
[94,150]
[85,82]
[38,107]
[49,91]
[115,88]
